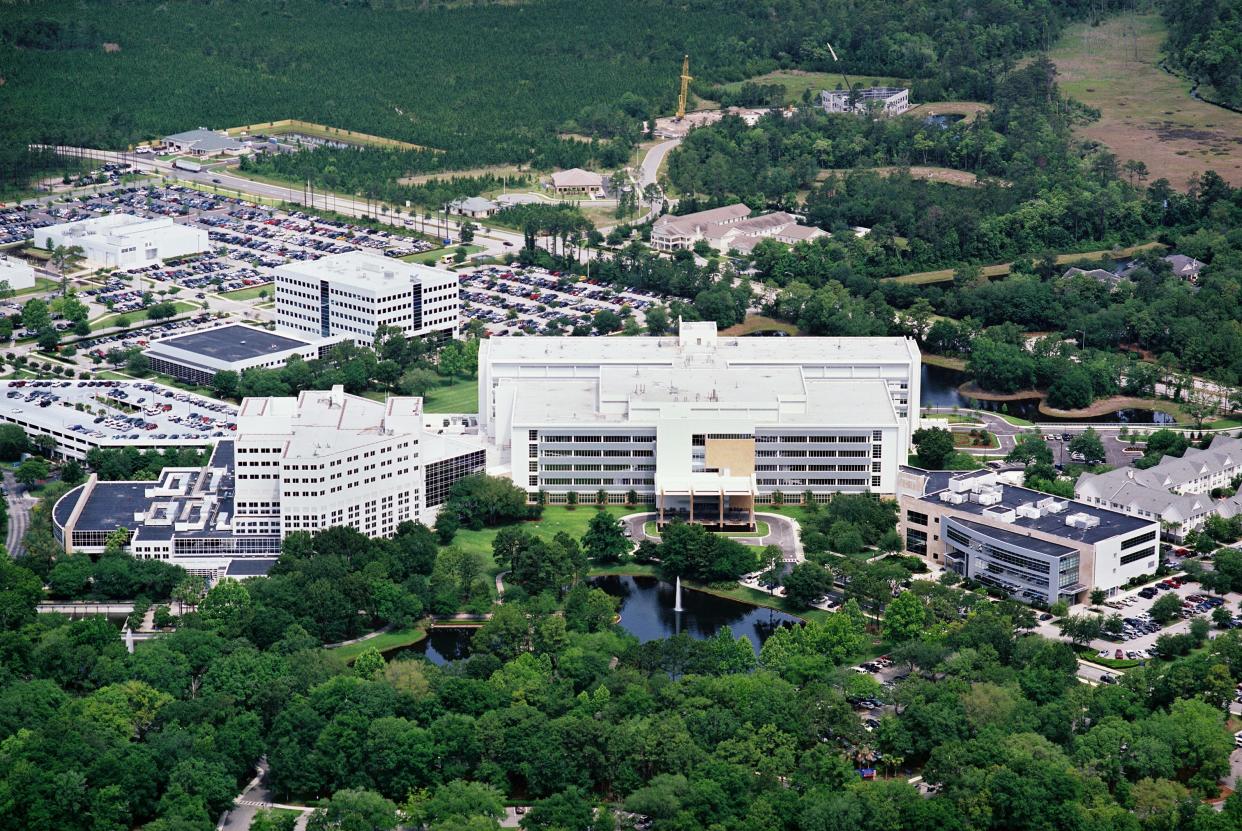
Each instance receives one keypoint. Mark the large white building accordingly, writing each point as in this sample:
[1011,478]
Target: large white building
[887,100]
[1176,492]
[236,347]
[700,424]
[1031,545]
[18,274]
[350,295]
[320,460]
[124,240]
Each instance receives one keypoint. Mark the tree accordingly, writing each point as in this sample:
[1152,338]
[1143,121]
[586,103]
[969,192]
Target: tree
[13,442]
[1088,443]
[35,315]
[604,541]
[1222,617]
[369,663]
[657,320]
[224,383]
[137,363]
[806,583]
[1166,608]
[1098,596]
[905,617]
[418,381]
[354,809]
[227,608]
[935,447]
[65,257]
[32,470]
[569,810]
[1030,448]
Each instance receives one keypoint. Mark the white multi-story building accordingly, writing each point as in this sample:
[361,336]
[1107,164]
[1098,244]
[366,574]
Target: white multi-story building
[702,425]
[351,295]
[888,100]
[124,240]
[321,460]
[18,274]
[1033,546]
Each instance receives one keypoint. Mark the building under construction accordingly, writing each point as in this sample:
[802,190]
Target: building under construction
[886,100]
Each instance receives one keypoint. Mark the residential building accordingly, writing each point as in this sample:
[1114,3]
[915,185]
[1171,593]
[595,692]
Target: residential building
[350,295]
[203,142]
[886,100]
[1101,276]
[198,356]
[704,426]
[577,182]
[475,207]
[1176,492]
[1035,547]
[320,460]
[18,274]
[124,240]
[1187,268]
[728,228]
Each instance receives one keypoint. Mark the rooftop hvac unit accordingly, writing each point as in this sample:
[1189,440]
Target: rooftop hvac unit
[1001,513]
[1029,511]
[990,495]
[1082,520]
[1051,505]
[952,498]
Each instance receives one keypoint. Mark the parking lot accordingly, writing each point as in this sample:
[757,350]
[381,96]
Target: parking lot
[1141,633]
[85,414]
[512,300]
[248,240]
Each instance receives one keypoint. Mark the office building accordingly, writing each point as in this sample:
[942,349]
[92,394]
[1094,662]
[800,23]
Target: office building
[18,274]
[1176,492]
[197,357]
[886,100]
[320,460]
[1031,545]
[203,142]
[703,426]
[350,295]
[124,240]
[577,182]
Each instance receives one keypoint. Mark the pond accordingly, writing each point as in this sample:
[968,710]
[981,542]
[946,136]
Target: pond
[646,610]
[943,121]
[939,388]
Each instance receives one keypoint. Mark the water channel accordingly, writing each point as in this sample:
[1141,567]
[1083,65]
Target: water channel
[939,388]
[646,609]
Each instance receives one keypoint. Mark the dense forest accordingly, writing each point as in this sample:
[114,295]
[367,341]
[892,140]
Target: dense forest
[1205,40]
[485,82]
[559,708]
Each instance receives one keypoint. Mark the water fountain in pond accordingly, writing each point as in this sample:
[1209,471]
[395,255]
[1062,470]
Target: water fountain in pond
[677,601]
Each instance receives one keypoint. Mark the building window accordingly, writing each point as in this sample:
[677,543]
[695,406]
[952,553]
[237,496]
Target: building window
[916,518]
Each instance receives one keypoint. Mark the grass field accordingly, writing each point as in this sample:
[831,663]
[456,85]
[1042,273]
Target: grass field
[384,641]
[306,128]
[249,292]
[964,439]
[944,361]
[945,275]
[139,316]
[41,285]
[970,109]
[498,170]
[1146,114]
[556,518]
[797,81]
[457,397]
[759,323]
[436,254]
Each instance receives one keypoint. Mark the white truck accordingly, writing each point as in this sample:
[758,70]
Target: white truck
[192,167]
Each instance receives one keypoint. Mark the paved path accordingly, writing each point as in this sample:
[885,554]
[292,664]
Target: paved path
[782,531]
[19,503]
[253,799]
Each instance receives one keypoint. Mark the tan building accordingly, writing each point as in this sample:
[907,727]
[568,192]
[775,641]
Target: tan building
[577,182]
[1034,546]
[729,228]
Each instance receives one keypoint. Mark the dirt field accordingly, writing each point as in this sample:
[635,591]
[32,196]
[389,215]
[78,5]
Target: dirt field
[495,170]
[1146,114]
[944,175]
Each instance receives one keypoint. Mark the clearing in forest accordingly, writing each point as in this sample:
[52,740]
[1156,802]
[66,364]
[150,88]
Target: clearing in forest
[292,126]
[1146,114]
[797,81]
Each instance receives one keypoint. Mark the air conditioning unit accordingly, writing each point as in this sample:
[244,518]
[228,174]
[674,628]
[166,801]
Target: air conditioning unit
[952,498]
[1029,510]
[1082,520]
[991,496]
[1051,505]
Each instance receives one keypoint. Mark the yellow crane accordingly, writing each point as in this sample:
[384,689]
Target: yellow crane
[685,87]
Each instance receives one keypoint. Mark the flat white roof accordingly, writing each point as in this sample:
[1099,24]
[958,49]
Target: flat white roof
[700,345]
[366,271]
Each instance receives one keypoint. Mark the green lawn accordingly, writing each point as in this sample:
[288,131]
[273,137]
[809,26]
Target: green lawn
[797,81]
[454,397]
[41,285]
[433,256]
[139,316]
[556,518]
[249,292]
[384,642]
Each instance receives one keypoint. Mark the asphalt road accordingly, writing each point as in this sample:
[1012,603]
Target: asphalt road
[19,514]
[782,531]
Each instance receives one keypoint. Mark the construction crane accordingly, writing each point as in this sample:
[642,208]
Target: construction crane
[685,87]
[848,85]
